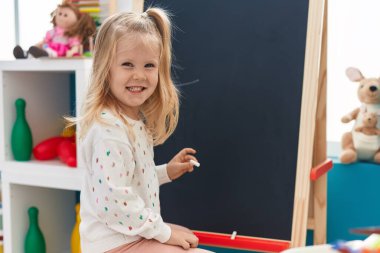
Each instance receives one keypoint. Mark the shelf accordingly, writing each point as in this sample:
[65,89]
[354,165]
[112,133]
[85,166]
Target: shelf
[56,216]
[52,174]
[52,88]
[46,64]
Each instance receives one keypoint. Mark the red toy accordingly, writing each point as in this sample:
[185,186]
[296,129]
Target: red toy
[67,152]
[62,147]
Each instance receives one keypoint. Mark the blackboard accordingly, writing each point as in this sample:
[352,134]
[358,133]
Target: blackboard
[239,66]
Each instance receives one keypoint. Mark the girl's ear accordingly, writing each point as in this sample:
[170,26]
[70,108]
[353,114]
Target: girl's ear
[354,74]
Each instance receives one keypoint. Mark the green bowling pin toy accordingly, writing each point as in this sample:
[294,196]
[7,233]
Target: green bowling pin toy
[21,139]
[34,240]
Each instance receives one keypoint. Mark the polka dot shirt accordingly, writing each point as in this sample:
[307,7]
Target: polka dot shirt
[120,194]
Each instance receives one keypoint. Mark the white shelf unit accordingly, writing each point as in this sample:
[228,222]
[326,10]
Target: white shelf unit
[47,87]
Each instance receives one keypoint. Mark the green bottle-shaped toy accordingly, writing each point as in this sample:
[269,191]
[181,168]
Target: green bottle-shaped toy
[21,140]
[34,240]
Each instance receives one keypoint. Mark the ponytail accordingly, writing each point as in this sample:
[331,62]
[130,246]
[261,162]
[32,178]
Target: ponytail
[168,102]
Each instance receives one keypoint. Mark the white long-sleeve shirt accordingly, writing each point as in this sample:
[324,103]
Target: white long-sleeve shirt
[120,194]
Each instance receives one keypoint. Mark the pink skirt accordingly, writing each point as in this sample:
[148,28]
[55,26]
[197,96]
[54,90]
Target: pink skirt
[153,246]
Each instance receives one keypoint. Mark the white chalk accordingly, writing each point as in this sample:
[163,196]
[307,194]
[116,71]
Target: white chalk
[233,235]
[195,163]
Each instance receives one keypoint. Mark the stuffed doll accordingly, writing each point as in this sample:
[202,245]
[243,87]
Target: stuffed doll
[71,29]
[369,124]
[359,145]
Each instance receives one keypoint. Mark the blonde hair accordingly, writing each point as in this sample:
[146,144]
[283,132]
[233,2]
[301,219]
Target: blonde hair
[160,111]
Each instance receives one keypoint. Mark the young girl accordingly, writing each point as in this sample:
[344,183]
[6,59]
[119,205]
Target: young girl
[71,30]
[131,105]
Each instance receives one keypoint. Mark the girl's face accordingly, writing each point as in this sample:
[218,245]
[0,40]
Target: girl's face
[134,73]
[65,17]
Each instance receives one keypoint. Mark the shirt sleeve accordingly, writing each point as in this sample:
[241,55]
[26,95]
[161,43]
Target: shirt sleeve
[162,174]
[116,201]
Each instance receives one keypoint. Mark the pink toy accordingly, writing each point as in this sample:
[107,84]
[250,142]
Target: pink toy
[71,30]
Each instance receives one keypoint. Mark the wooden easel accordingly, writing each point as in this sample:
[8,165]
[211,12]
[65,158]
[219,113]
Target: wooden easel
[310,196]
[316,196]
[318,189]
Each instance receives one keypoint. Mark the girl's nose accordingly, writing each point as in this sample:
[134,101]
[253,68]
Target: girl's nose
[139,75]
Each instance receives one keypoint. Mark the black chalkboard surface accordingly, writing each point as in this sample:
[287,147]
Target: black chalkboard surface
[239,66]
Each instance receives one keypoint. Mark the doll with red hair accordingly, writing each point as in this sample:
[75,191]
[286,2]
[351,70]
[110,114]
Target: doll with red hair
[72,30]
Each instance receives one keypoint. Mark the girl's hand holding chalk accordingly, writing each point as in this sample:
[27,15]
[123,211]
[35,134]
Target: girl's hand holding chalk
[195,163]
[181,163]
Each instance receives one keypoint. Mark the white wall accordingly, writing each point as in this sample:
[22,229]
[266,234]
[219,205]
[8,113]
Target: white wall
[7,28]
[34,18]
[353,40]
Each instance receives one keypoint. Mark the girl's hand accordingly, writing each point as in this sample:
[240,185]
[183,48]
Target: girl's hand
[183,239]
[180,163]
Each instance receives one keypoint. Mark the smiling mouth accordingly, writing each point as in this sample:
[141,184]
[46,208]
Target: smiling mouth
[135,89]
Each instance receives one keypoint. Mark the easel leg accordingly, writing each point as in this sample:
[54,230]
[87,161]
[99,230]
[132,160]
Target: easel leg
[320,186]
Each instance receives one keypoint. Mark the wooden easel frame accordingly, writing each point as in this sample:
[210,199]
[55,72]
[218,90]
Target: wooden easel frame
[318,204]
[310,197]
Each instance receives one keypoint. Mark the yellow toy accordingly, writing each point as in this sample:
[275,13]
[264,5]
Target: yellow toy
[75,238]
